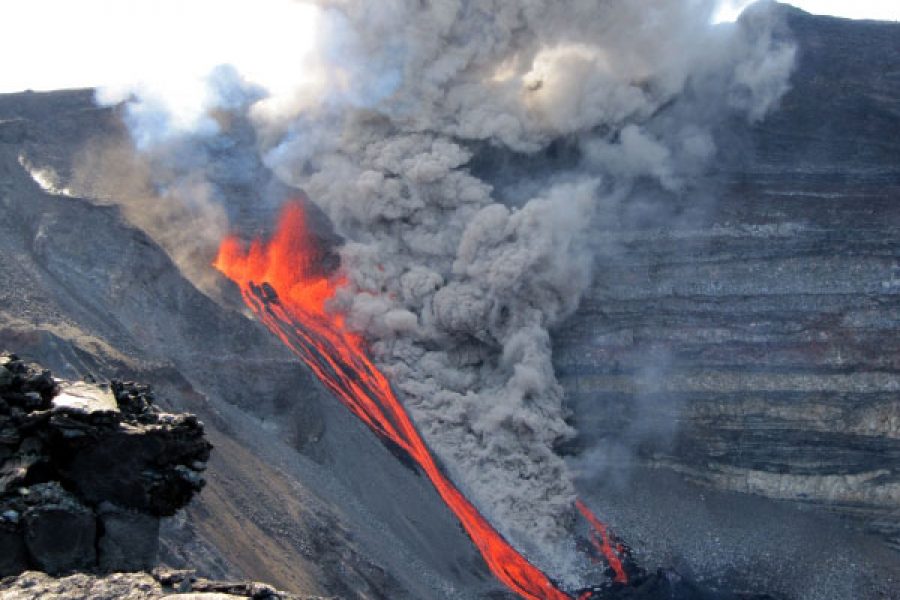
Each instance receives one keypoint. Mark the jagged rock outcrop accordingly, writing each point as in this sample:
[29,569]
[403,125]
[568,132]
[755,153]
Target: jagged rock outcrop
[87,470]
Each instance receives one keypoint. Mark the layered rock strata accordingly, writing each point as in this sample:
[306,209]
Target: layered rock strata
[753,345]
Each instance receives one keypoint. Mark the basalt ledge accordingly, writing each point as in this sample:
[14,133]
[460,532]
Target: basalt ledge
[87,470]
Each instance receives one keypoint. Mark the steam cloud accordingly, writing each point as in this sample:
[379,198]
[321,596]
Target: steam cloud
[457,290]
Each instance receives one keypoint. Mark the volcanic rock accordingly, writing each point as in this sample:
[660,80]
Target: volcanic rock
[91,402]
[59,530]
[667,584]
[129,541]
[83,291]
[174,585]
[87,470]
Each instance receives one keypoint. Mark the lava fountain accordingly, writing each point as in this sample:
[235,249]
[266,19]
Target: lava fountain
[280,282]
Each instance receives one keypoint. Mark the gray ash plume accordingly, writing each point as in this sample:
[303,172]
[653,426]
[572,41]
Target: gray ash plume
[458,267]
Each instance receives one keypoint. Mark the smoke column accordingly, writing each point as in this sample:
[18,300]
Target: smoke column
[456,277]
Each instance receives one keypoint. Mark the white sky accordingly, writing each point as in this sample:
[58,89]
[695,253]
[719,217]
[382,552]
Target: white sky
[53,44]
[884,10]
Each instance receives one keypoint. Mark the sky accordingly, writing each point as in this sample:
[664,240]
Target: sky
[885,10]
[55,44]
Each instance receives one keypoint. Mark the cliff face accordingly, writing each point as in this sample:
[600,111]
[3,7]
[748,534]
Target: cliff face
[756,349]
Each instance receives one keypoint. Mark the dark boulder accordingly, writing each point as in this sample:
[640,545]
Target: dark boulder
[130,540]
[59,531]
[13,555]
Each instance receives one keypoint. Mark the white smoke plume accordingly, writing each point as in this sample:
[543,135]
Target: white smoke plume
[456,290]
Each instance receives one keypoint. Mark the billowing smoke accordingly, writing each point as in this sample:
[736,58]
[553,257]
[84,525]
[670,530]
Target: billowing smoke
[456,274]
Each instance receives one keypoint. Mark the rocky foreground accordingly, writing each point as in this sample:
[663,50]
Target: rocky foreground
[159,584]
[87,470]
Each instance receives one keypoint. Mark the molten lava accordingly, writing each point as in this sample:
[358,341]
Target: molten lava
[279,281]
[600,538]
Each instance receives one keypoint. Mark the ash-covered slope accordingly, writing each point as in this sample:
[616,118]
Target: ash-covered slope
[754,346]
[299,493]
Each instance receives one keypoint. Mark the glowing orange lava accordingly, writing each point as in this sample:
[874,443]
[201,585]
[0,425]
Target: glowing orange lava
[600,540]
[279,282]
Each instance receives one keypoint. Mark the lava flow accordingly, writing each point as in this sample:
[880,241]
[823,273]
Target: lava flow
[280,283]
[600,538]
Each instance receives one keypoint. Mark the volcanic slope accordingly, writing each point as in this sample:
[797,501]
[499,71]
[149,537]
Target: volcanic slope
[299,493]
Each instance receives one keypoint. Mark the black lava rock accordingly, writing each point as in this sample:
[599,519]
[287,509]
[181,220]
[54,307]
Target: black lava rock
[86,471]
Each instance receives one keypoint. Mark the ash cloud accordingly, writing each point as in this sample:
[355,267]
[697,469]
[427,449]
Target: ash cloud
[457,276]
[182,217]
